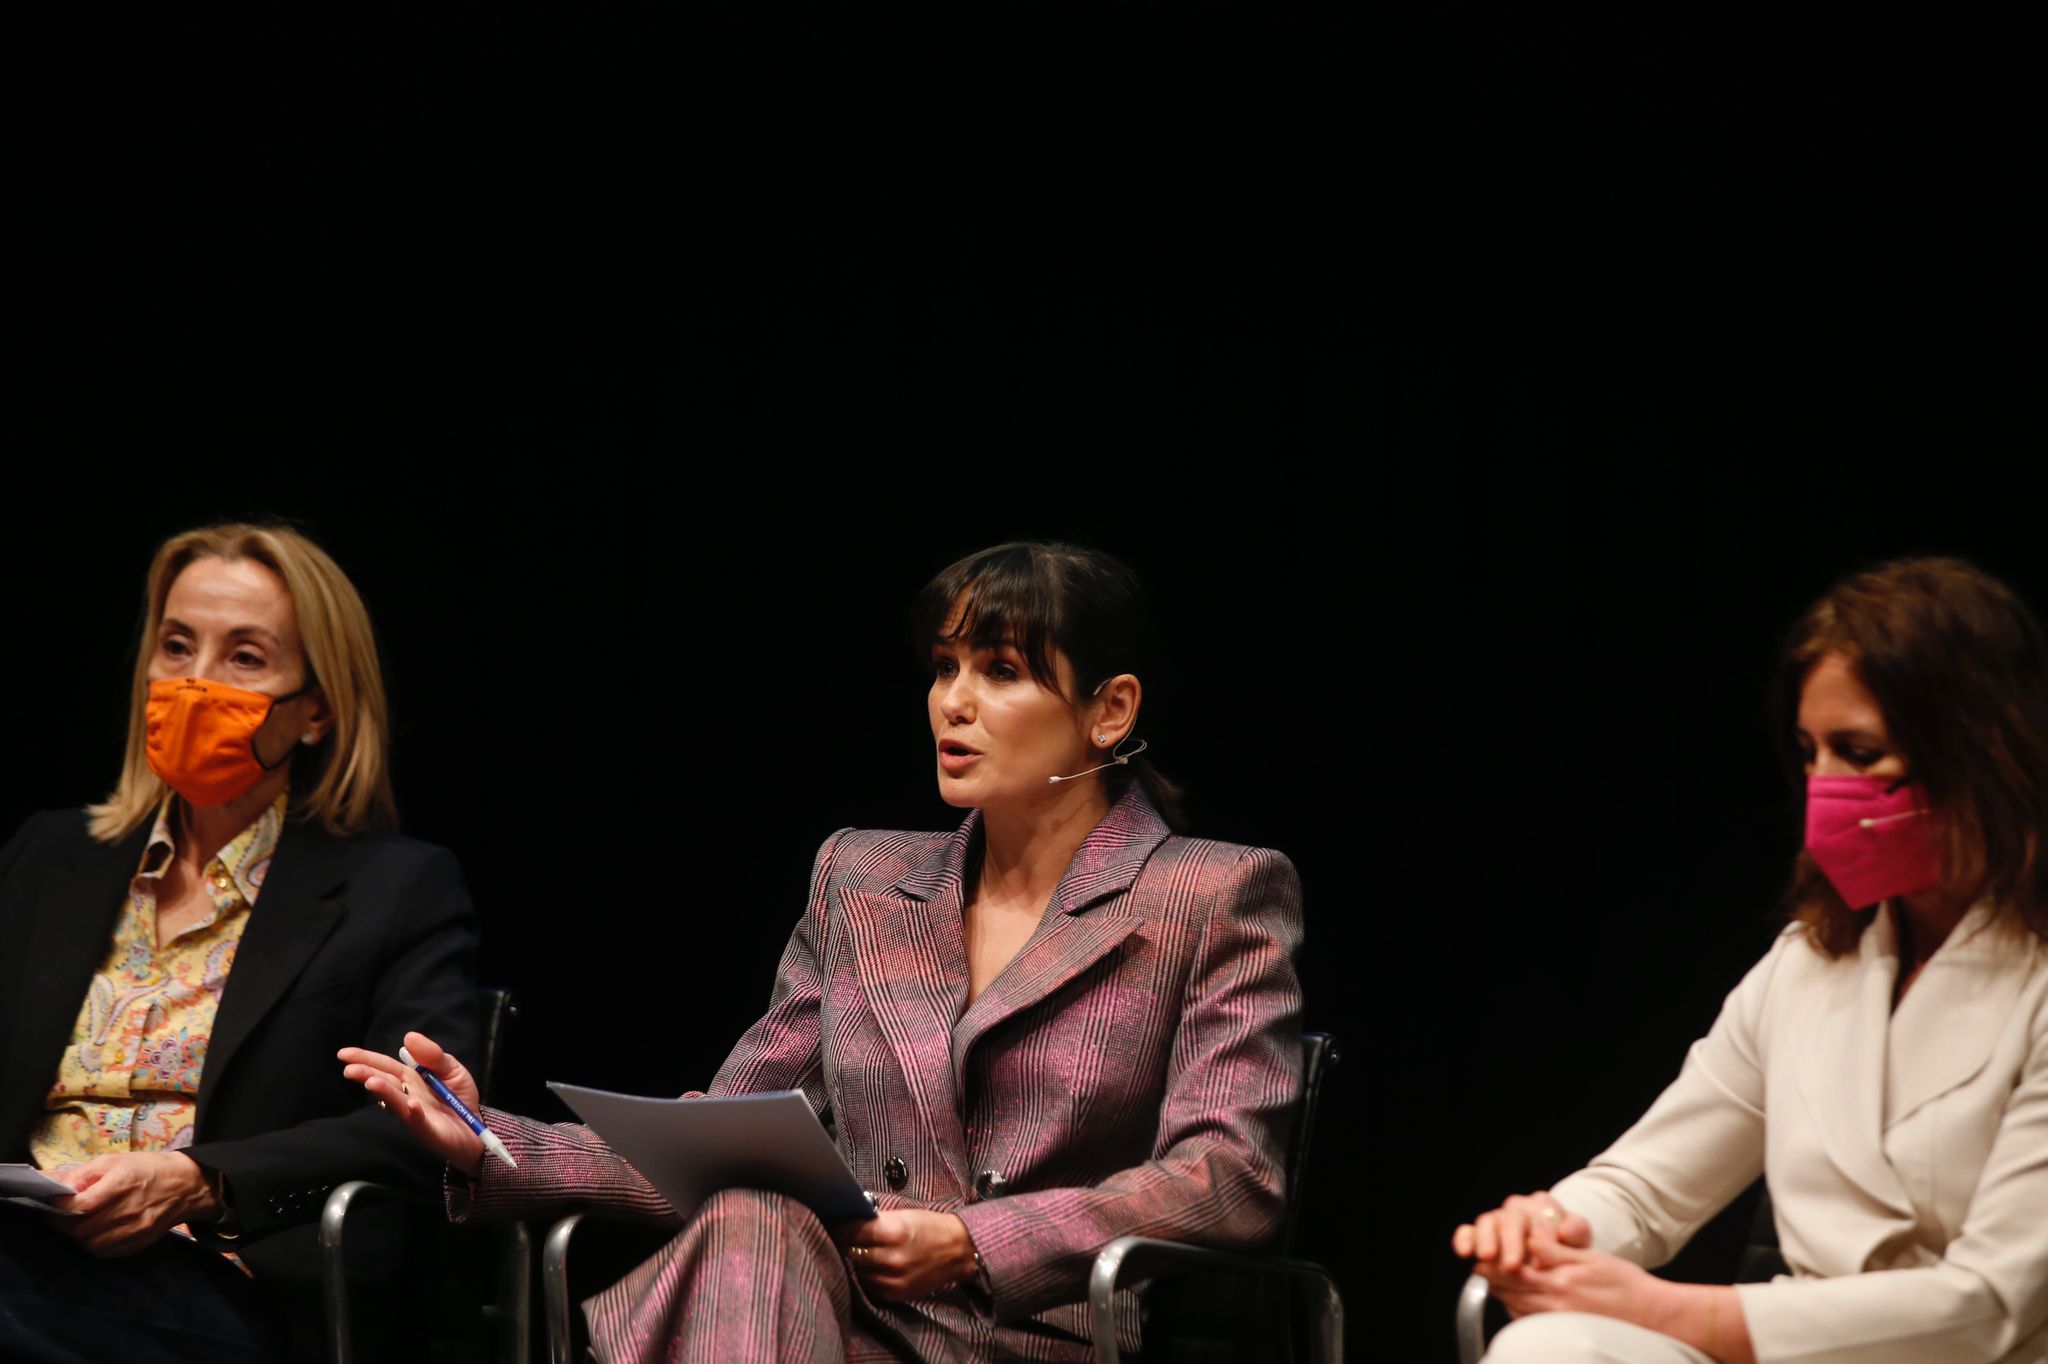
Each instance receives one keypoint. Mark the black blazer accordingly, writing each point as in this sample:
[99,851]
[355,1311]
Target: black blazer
[351,942]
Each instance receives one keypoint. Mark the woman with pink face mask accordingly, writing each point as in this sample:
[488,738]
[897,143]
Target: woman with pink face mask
[1885,1066]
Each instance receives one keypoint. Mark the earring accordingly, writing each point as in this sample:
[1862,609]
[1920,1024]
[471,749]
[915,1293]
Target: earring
[1102,738]
[309,738]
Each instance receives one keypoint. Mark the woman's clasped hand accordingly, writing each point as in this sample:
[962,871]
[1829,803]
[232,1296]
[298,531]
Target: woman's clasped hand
[1499,1242]
[1536,1257]
[904,1253]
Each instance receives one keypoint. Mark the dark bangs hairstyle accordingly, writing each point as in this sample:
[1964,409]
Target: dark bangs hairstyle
[1960,669]
[1043,597]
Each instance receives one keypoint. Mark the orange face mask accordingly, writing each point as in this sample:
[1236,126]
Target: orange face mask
[202,738]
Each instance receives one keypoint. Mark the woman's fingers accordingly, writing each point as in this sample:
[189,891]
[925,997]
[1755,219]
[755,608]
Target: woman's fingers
[423,1049]
[875,1248]
[363,1065]
[1520,1298]
[433,1057]
[1501,1237]
[428,1053]
[390,1092]
[896,1255]
[1550,1244]
[403,1100]
[369,1061]
[83,1175]
[1540,1212]
[396,1091]
[883,1229]
[1514,1234]
[395,1086]
[363,1070]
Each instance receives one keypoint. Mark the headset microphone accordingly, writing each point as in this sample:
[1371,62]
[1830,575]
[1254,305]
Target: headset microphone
[1116,760]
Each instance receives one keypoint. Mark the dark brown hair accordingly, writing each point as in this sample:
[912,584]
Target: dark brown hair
[1045,597]
[1959,667]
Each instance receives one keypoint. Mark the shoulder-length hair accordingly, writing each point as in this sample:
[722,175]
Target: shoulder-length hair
[1960,669]
[1043,596]
[345,781]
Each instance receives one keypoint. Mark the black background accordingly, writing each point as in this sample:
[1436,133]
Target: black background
[1482,395]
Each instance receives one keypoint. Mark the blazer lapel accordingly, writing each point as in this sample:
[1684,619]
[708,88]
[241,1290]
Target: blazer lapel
[911,957]
[299,906]
[1842,1065]
[1067,940]
[1951,1018]
[67,935]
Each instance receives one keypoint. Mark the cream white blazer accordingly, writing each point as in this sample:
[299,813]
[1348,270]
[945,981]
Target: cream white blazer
[1907,1152]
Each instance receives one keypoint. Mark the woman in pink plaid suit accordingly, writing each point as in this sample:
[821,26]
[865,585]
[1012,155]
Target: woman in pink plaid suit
[1058,1024]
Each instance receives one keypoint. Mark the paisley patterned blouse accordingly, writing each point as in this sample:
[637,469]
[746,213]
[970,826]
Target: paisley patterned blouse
[129,1080]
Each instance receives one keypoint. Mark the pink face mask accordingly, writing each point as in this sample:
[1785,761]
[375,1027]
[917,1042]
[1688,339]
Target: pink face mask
[1872,836]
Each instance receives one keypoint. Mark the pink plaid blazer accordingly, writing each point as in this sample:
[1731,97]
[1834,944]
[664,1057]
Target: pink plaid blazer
[1134,1069]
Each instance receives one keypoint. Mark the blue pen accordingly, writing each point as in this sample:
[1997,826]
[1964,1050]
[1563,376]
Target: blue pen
[447,1096]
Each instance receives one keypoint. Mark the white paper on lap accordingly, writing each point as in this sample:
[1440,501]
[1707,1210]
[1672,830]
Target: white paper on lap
[692,1148]
[31,1188]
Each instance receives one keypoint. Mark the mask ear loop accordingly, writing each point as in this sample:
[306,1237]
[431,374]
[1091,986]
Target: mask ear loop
[275,701]
[1892,790]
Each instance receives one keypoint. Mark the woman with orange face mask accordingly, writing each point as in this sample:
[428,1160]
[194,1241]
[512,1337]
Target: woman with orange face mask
[171,957]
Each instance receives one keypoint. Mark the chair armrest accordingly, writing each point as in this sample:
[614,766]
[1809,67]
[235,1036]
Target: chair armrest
[554,1286]
[1472,1319]
[333,1265]
[622,1242]
[511,1315]
[1142,1257]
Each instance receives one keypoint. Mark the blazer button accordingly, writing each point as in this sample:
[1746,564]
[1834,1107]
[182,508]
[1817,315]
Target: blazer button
[895,1171]
[990,1184]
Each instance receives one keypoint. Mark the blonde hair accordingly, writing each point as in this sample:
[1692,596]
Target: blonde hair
[348,784]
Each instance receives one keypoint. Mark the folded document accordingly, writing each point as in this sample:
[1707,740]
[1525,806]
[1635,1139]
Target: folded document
[30,1187]
[691,1148]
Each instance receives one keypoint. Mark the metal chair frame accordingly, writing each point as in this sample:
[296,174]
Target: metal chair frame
[1143,1258]
[511,1315]
[1137,1257]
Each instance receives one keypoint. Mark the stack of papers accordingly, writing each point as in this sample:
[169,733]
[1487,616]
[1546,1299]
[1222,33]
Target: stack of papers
[31,1188]
[691,1148]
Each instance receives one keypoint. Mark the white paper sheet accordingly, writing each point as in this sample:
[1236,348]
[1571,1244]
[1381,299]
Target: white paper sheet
[691,1148]
[30,1187]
